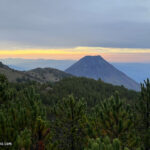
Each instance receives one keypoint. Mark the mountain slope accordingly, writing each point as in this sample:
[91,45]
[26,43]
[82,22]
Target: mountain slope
[11,74]
[40,74]
[47,74]
[96,67]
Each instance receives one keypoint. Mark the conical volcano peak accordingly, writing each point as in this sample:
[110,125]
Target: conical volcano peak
[96,57]
[96,67]
[92,61]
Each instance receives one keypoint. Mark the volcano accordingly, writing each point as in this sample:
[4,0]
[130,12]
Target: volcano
[96,67]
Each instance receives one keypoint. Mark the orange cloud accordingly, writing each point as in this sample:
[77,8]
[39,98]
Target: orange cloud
[110,54]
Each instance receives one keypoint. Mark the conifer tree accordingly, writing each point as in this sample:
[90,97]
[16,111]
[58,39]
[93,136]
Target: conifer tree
[116,121]
[23,140]
[143,109]
[105,144]
[6,93]
[41,133]
[70,124]
[22,118]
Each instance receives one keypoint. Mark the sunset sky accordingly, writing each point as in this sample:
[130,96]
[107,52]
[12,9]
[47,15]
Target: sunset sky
[70,29]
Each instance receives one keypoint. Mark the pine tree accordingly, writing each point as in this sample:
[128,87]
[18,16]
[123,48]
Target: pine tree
[23,140]
[143,109]
[105,144]
[116,121]
[22,117]
[70,124]
[41,133]
[6,93]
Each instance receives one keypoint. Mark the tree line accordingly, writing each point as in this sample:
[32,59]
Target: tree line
[74,114]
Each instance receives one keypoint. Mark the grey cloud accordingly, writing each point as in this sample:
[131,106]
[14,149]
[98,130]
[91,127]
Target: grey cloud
[69,23]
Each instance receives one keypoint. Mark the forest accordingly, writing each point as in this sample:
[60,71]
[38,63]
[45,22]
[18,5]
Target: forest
[73,114]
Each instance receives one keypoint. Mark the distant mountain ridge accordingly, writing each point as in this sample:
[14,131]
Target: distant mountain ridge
[96,67]
[28,64]
[139,71]
[41,75]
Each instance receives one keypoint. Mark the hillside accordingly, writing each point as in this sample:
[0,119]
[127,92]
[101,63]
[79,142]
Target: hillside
[96,67]
[93,91]
[11,74]
[40,74]
[47,74]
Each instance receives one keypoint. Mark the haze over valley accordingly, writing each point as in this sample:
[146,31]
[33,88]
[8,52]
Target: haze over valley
[137,71]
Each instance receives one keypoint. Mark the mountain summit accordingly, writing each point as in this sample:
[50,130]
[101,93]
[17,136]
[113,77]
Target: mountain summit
[96,67]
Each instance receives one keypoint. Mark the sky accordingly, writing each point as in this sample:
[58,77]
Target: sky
[119,30]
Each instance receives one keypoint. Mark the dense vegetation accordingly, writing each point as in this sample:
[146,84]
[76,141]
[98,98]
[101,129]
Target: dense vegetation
[90,90]
[73,114]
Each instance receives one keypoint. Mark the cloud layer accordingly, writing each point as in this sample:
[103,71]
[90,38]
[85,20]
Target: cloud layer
[110,54]
[71,23]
